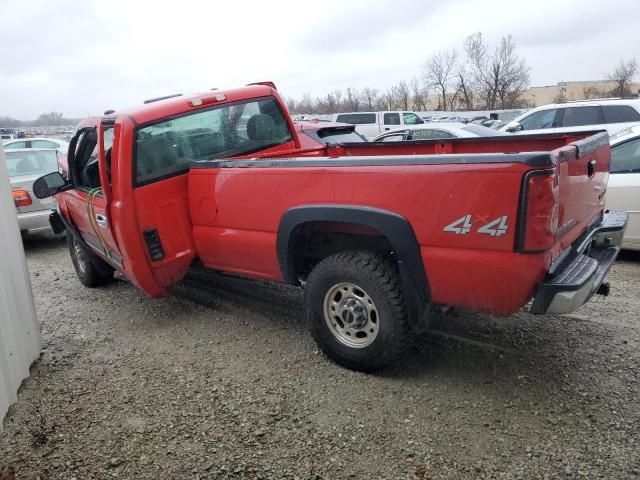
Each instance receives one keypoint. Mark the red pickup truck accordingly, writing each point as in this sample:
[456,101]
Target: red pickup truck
[377,233]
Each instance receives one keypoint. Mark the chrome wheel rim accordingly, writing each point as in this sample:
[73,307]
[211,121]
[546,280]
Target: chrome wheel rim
[81,261]
[351,315]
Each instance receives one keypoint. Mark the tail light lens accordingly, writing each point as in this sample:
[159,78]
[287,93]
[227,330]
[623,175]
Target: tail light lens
[541,211]
[21,198]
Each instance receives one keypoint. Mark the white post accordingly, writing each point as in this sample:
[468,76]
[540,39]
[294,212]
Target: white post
[19,329]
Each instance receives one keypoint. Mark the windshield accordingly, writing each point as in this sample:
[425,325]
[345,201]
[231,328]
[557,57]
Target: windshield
[335,135]
[482,131]
[169,147]
[31,162]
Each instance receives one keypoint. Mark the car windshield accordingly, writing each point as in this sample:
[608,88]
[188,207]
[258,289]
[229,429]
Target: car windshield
[335,135]
[482,131]
[31,162]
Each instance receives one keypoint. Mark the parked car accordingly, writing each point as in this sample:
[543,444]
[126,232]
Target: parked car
[612,115]
[371,124]
[623,190]
[25,166]
[321,133]
[377,233]
[39,142]
[437,130]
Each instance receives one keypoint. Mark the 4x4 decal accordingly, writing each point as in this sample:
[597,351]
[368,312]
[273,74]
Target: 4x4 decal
[463,225]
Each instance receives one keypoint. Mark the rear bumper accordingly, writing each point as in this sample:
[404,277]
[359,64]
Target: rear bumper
[578,274]
[34,221]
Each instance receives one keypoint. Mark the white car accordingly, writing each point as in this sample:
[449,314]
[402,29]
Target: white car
[612,115]
[623,190]
[371,124]
[39,142]
[433,130]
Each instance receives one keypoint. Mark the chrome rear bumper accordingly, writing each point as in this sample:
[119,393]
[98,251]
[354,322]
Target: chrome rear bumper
[582,271]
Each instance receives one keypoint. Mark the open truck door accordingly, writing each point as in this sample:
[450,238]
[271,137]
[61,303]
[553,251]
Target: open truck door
[88,202]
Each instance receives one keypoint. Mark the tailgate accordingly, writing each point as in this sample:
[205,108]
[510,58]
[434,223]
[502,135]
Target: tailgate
[583,172]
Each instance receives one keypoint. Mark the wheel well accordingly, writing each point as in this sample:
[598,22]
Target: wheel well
[311,242]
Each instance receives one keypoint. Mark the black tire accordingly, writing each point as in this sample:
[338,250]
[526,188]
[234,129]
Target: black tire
[377,279]
[90,269]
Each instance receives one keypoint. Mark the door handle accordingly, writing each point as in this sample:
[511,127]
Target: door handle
[101,220]
[591,167]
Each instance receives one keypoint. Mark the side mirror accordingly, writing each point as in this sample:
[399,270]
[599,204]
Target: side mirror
[49,184]
[514,127]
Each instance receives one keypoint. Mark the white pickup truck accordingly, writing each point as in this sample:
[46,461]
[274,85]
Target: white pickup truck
[371,124]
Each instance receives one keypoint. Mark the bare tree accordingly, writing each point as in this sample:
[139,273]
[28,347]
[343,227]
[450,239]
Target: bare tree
[305,105]
[389,101]
[464,88]
[438,72]
[561,97]
[623,75]
[369,98]
[419,94]
[352,99]
[501,76]
[592,92]
[402,95]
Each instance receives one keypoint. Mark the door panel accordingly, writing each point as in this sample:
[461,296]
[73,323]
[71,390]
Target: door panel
[87,205]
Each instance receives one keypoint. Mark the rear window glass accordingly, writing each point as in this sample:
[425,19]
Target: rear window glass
[169,147]
[335,135]
[620,114]
[31,162]
[579,116]
[357,118]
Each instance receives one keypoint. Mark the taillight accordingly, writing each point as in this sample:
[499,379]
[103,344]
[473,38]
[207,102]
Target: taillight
[539,218]
[21,198]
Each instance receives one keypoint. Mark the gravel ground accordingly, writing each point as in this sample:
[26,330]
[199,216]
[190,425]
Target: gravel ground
[231,386]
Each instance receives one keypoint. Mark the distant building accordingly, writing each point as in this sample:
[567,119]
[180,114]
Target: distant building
[570,91]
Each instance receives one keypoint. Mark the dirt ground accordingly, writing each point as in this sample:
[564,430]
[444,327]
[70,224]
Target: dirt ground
[223,381]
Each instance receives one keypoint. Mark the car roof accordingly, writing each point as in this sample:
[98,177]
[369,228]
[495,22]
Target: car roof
[626,134]
[164,107]
[25,139]
[29,150]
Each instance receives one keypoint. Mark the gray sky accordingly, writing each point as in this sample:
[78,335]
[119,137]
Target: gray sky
[85,57]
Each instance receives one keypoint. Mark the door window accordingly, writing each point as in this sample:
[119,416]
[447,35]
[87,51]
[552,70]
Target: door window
[411,119]
[538,120]
[620,114]
[625,158]
[14,145]
[85,161]
[169,147]
[357,118]
[43,144]
[392,119]
[581,116]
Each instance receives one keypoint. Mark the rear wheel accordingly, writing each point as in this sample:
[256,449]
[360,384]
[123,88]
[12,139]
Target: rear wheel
[91,269]
[356,310]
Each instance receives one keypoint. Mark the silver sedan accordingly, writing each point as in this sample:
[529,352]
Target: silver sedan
[25,166]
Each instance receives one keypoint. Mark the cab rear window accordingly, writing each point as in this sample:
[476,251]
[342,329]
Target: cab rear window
[168,148]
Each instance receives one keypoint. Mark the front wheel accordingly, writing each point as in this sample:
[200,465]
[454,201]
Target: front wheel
[356,310]
[92,271]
